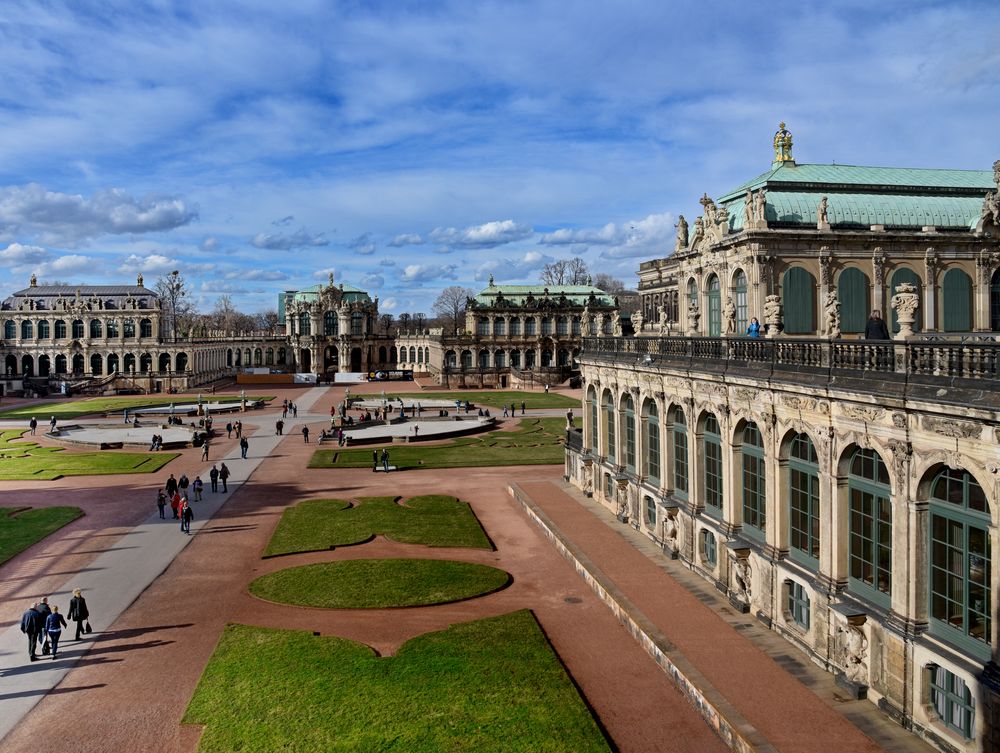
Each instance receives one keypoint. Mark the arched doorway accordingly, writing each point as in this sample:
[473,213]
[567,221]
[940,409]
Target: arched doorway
[331,358]
[229,357]
[855,301]
[112,363]
[164,363]
[43,365]
[145,363]
[78,363]
[27,365]
[305,360]
[355,359]
[96,365]
[129,363]
[957,293]
[60,364]
[714,307]
[798,297]
[181,362]
[10,365]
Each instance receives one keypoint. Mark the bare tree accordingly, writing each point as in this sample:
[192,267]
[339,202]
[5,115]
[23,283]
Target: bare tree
[267,320]
[177,311]
[450,305]
[608,284]
[386,321]
[577,272]
[419,320]
[404,321]
[565,272]
[224,315]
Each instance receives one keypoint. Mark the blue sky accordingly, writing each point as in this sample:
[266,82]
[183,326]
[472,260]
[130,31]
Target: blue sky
[407,146]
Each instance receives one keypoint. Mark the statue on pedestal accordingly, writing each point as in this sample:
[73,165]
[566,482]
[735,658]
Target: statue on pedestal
[730,316]
[682,233]
[831,316]
[693,316]
[772,315]
[822,219]
[905,303]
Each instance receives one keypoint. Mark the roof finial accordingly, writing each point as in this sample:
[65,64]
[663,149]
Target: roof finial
[491,279]
[331,279]
[138,279]
[33,282]
[782,145]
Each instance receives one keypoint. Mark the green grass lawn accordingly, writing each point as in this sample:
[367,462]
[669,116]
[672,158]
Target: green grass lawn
[20,527]
[432,520]
[537,441]
[487,686]
[492,398]
[75,408]
[379,583]
[28,461]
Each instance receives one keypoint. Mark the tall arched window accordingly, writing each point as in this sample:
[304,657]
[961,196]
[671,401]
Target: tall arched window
[740,299]
[95,328]
[357,323]
[680,469]
[752,455]
[960,560]
[693,293]
[27,329]
[900,276]
[77,329]
[305,324]
[145,328]
[112,328]
[9,330]
[515,327]
[855,300]
[499,326]
[957,293]
[803,501]
[628,432]
[331,323]
[714,307]
[995,302]
[43,330]
[652,441]
[128,328]
[608,408]
[870,553]
[60,329]
[712,454]
[798,296]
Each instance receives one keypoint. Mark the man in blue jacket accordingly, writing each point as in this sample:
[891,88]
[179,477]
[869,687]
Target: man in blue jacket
[32,625]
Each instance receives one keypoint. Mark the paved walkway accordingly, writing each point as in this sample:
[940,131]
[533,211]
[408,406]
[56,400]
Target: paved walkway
[123,572]
[789,706]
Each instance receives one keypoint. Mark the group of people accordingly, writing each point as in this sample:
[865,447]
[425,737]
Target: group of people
[175,492]
[875,329]
[33,425]
[384,460]
[156,443]
[42,622]
[289,407]
[237,427]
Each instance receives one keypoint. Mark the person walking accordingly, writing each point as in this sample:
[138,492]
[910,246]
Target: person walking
[54,624]
[229,430]
[186,517]
[204,450]
[32,625]
[295,411]
[79,613]
[876,329]
[224,477]
[182,485]
[33,425]
[753,330]
[305,434]
[244,447]
[213,476]
[522,407]
[374,460]
[52,424]
[171,485]
[385,459]
[161,502]
[175,505]
[198,486]
[239,429]
[279,426]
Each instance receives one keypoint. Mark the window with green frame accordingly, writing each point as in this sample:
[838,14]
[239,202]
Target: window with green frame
[652,442]
[960,560]
[592,413]
[798,604]
[608,407]
[628,419]
[650,511]
[803,500]
[952,700]
[870,557]
[712,453]
[740,290]
[708,554]
[752,453]
[680,454]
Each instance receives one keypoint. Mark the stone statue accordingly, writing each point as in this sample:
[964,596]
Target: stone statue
[772,315]
[699,231]
[588,479]
[748,209]
[682,233]
[905,303]
[760,206]
[622,504]
[782,144]
[991,207]
[616,323]
[996,174]
[693,316]
[709,206]
[742,579]
[853,653]
[637,321]
[138,279]
[723,220]
[831,315]
[33,282]
[821,214]
[586,320]
[730,315]
[668,533]
[663,315]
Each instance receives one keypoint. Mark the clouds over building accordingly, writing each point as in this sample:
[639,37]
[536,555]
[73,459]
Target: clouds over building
[487,235]
[301,238]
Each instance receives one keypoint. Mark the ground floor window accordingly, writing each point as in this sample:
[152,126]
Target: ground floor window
[708,554]
[798,604]
[953,702]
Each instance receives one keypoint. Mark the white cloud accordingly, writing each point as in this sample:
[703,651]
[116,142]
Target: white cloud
[220,286]
[387,263]
[487,235]
[512,269]
[72,218]
[151,263]
[18,255]
[363,245]
[406,239]
[651,236]
[427,272]
[388,305]
[607,235]
[325,273]
[372,280]
[209,245]
[287,241]
[256,274]
[72,263]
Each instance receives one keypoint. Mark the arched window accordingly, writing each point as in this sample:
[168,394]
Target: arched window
[484,359]
[77,329]
[258,357]
[957,292]
[870,551]
[650,512]
[855,300]
[112,328]
[499,326]
[145,328]
[515,327]
[164,362]
[529,359]
[128,328]
[575,325]
[960,560]
[709,556]
[145,363]
[112,363]
[953,701]
[803,501]
[128,363]
[752,455]
[714,307]
[562,325]
[740,299]
[269,357]
[499,359]
[608,408]
[181,361]
[900,276]
[591,413]
[9,330]
[995,302]
[546,325]
[95,328]
[680,469]
[466,359]
[282,356]
[413,354]
[331,323]
[798,296]
[27,329]
[420,355]
[652,441]
[482,326]
[60,364]
[693,293]
[44,332]
[628,421]
[515,359]
[712,454]
[60,329]
[357,323]
[305,324]
[96,365]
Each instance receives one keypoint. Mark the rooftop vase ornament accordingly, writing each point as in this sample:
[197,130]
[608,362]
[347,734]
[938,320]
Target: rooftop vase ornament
[905,304]
[772,316]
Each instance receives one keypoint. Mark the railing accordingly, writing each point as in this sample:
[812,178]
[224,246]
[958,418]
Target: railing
[574,439]
[978,360]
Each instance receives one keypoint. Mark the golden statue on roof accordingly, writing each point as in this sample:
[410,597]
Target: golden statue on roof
[782,144]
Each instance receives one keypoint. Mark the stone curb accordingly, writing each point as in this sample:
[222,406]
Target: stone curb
[736,732]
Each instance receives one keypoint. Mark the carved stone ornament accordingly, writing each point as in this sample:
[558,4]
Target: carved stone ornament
[831,316]
[742,579]
[950,427]
[905,303]
[933,264]
[747,395]
[863,412]
[772,315]
[899,420]
[900,460]
[669,531]
[825,266]
[878,266]
[853,645]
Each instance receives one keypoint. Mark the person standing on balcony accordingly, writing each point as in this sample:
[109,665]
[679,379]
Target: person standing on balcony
[876,329]
[754,329]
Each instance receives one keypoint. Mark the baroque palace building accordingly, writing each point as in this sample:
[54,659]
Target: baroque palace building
[846,492]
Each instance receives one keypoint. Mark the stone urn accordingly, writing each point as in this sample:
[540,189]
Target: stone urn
[905,303]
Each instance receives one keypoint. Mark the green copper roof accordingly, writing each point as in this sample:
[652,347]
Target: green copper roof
[516,295]
[351,293]
[846,177]
[865,209]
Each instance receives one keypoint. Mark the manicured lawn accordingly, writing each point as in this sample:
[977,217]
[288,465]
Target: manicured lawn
[20,527]
[487,686]
[492,398]
[432,520]
[537,441]
[28,461]
[379,584]
[75,408]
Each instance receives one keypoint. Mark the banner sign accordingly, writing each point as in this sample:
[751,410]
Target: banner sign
[403,375]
